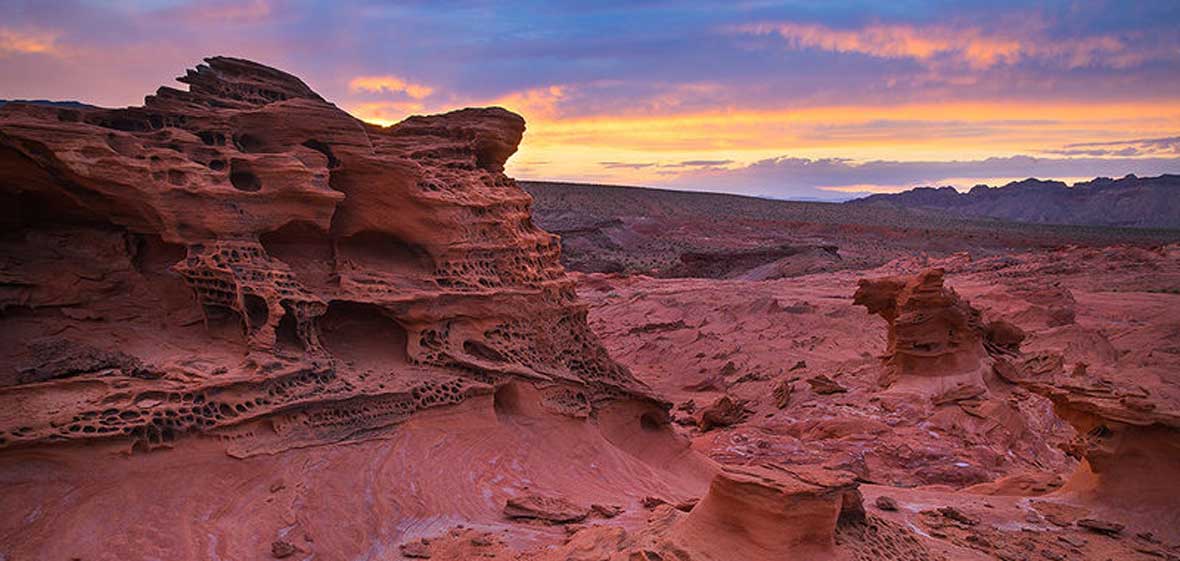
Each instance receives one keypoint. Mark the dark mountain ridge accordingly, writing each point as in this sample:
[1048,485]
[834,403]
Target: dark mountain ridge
[47,103]
[1130,201]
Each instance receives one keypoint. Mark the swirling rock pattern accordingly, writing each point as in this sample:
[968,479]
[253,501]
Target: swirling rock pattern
[343,275]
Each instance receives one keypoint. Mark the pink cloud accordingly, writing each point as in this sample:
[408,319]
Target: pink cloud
[27,41]
[973,46]
[389,84]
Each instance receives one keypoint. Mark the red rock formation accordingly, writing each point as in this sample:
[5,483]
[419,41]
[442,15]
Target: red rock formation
[723,412]
[762,512]
[1128,435]
[823,385]
[934,335]
[244,269]
[557,510]
[769,512]
[368,272]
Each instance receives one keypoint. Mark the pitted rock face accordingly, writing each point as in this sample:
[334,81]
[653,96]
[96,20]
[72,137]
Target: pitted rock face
[345,275]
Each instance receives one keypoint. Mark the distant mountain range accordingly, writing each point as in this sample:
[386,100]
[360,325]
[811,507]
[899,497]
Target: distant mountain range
[51,103]
[1137,202]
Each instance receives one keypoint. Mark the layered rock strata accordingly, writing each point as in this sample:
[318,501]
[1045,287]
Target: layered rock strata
[770,512]
[1128,433]
[245,259]
[936,339]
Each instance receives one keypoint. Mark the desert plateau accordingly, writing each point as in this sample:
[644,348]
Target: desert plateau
[246,320]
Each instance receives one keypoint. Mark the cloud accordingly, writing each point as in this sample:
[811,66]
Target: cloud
[27,41]
[666,168]
[1133,147]
[975,47]
[1097,152]
[389,84]
[534,103]
[894,41]
[627,165]
[790,176]
[540,102]
[670,86]
[385,113]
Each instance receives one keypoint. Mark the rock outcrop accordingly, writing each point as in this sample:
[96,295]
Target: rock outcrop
[246,260]
[934,335]
[760,511]
[236,317]
[1122,403]
[1128,433]
[244,269]
[770,512]
[724,411]
[557,510]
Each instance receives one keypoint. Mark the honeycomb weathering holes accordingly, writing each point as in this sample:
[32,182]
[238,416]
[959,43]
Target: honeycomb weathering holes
[506,400]
[363,334]
[242,177]
[228,198]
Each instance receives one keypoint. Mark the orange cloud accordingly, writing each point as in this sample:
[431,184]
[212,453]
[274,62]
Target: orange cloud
[533,103]
[559,146]
[14,41]
[389,84]
[906,126]
[970,45]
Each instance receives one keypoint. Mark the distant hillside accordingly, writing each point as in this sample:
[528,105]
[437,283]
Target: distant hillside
[1148,202]
[666,233]
[70,104]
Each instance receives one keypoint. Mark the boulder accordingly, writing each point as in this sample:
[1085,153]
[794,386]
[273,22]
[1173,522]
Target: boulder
[553,509]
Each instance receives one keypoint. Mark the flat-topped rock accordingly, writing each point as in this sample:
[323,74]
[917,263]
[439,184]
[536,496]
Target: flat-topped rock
[770,512]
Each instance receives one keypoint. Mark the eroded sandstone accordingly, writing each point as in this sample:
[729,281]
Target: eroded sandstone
[343,275]
[1128,432]
[239,323]
[934,335]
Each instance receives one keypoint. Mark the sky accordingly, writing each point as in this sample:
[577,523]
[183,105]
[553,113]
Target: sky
[803,100]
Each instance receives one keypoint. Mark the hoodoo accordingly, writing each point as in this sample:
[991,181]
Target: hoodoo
[936,339]
[770,512]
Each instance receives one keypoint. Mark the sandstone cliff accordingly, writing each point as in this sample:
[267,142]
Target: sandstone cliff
[245,250]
